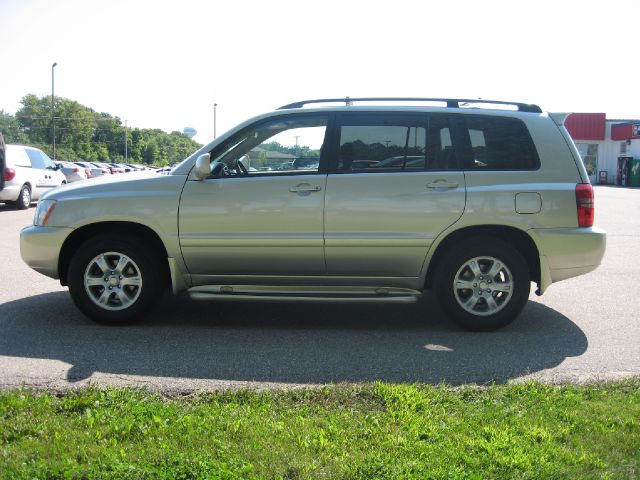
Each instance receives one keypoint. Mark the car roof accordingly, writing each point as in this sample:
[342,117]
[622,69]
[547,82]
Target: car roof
[457,103]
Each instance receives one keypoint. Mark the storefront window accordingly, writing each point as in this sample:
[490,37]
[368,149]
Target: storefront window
[589,154]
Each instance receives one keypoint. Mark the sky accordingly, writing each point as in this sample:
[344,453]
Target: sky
[164,64]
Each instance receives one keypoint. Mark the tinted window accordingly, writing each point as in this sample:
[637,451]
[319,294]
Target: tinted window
[394,142]
[36,158]
[499,143]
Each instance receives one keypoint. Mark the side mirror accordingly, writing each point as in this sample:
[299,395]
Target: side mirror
[203,167]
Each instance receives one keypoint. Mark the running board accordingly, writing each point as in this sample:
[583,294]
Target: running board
[272,293]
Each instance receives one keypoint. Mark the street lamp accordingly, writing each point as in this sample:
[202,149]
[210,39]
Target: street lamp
[53,116]
[215,107]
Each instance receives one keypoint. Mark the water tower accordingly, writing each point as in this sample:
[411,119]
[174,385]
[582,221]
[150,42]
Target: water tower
[189,132]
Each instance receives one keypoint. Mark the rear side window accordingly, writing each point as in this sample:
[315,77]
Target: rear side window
[385,142]
[36,158]
[499,143]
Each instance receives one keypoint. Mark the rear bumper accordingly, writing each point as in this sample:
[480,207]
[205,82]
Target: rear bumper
[568,252]
[40,248]
[10,193]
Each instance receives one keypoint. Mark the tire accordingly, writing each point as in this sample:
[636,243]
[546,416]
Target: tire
[482,283]
[24,199]
[114,281]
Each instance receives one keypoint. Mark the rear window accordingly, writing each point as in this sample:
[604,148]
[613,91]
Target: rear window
[499,143]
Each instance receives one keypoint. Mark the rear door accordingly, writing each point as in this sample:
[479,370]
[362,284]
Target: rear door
[395,186]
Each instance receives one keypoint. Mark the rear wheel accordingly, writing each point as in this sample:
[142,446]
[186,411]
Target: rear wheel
[483,283]
[24,199]
[114,281]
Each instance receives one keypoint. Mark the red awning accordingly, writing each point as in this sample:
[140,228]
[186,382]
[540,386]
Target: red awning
[586,126]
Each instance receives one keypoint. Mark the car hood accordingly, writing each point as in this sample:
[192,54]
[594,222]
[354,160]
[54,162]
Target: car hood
[134,183]
[144,198]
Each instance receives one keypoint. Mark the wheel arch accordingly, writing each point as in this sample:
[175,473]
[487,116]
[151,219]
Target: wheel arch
[146,234]
[514,236]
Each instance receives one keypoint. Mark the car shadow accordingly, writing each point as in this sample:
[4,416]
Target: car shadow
[289,343]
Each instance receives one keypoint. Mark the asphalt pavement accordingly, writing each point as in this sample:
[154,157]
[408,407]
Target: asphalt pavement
[583,329]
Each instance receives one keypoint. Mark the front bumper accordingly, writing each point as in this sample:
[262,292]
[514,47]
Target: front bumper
[40,248]
[568,252]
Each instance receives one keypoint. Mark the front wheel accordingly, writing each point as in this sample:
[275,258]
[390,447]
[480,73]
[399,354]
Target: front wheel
[113,281]
[483,283]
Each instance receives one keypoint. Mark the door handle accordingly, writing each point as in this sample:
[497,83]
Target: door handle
[305,187]
[441,184]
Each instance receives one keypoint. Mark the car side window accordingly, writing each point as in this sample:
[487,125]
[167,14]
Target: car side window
[499,143]
[287,145]
[391,142]
[36,158]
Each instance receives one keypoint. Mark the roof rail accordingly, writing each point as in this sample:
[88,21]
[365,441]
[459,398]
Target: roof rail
[451,102]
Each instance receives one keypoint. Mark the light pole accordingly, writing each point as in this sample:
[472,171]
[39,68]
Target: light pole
[215,107]
[53,113]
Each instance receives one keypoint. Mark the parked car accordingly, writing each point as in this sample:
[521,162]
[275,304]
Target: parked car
[135,168]
[93,170]
[303,163]
[71,171]
[476,232]
[105,167]
[28,174]
[106,170]
[116,168]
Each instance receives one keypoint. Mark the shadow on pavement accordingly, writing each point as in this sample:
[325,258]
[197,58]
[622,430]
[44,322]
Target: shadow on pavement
[290,343]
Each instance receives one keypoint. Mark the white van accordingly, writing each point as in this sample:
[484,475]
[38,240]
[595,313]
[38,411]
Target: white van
[28,174]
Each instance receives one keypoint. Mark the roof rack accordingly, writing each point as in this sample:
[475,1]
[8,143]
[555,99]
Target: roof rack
[451,102]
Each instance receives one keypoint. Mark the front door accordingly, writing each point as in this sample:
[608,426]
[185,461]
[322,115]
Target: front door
[262,214]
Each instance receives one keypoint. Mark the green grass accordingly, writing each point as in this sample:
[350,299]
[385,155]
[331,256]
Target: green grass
[372,431]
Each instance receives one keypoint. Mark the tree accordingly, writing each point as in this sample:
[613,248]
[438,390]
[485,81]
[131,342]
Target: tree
[10,128]
[83,134]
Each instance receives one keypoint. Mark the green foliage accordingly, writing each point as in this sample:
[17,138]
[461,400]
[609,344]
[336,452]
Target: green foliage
[369,431]
[83,134]
[10,129]
[295,150]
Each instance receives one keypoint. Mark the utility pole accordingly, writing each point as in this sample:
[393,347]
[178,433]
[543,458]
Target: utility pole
[126,142]
[53,112]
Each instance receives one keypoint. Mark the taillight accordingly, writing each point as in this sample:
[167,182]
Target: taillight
[88,173]
[76,170]
[9,174]
[585,204]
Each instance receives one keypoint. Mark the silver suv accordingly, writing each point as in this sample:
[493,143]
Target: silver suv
[472,199]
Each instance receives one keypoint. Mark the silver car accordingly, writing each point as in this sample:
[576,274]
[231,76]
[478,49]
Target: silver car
[481,199]
[71,171]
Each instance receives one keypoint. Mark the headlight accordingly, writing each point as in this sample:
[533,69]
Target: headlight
[43,212]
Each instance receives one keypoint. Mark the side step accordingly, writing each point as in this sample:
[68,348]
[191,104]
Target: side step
[317,294]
